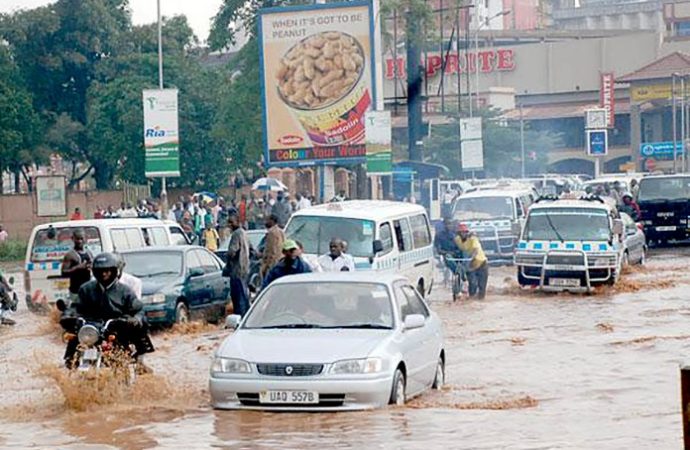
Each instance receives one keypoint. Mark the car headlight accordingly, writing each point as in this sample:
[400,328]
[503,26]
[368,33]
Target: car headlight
[230,365]
[88,335]
[365,365]
[155,298]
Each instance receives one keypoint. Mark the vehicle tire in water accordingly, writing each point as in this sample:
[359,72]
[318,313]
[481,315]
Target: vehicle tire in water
[440,377]
[181,313]
[398,389]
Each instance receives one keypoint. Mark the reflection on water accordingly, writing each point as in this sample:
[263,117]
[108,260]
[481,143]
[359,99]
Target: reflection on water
[525,370]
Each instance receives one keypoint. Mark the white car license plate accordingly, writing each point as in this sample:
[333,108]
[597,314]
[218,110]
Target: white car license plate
[666,228]
[564,282]
[489,252]
[293,397]
[90,354]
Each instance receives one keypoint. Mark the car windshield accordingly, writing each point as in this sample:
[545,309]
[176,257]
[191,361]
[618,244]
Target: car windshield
[483,208]
[153,264]
[323,305]
[51,244]
[658,189]
[316,232]
[567,224]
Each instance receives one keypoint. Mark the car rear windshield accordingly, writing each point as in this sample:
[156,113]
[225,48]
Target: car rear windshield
[564,224]
[667,188]
[153,264]
[51,244]
[475,208]
[316,232]
[323,305]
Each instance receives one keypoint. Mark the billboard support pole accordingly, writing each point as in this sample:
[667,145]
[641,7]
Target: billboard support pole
[164,191]
[674,119]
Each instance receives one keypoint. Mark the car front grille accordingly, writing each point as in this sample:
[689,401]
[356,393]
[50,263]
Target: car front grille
[325,401]
[289,370]
[571,260]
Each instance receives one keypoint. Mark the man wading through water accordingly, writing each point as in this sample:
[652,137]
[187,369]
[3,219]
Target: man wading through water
[76,265]
[478,270]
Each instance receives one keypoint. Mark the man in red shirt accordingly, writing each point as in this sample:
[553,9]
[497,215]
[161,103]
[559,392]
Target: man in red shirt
[76,215]
[242,211]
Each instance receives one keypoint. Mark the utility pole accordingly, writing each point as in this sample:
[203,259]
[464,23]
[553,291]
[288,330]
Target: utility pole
[522,143]
[414,87]
[164,192]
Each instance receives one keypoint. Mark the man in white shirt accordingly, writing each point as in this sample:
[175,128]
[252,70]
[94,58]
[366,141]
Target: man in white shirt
[302,202]
[337,260]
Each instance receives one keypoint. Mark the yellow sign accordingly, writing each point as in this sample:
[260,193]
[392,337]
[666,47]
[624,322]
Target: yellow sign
[627,167]
[650,92]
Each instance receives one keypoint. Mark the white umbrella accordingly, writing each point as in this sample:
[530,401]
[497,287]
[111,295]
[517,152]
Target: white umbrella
[268,184]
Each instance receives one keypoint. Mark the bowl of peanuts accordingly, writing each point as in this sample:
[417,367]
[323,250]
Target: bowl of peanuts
[322,80]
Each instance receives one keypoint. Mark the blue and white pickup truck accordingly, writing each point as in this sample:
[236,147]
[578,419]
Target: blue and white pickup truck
[570,245]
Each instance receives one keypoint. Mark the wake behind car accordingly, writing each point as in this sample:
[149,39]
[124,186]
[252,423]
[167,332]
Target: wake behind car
[325,341]
[570,245]
[178,283]
[664,202]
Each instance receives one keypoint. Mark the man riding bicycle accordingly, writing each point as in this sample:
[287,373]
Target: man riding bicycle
[444,244]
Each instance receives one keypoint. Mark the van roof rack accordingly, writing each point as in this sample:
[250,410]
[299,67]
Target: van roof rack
[592,198]
[547,198]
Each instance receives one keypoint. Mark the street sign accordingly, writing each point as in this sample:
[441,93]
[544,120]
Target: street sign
[470,128]
[596,119]
[472,155]
[660,150]
[597,142]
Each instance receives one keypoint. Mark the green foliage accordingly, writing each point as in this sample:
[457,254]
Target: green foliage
[13,250]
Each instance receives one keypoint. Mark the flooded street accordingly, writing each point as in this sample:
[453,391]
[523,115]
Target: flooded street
[525,371]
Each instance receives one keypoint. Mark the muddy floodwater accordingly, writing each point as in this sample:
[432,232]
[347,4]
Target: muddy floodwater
[525,371]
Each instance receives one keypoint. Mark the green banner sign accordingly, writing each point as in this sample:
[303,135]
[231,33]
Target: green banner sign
[161,138]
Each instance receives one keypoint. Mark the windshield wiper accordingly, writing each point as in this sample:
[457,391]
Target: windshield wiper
[371,326]
[292,325]
[553,227]
[157,274]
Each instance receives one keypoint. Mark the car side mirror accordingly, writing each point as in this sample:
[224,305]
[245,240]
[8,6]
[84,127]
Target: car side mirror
[61,305]
[377,246]
[618,227]
[413,321]
[11,280]
[233,321]
[195,272]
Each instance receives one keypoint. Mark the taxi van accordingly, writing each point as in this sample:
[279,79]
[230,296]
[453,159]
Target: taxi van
[49,242]
[570,245]
[380,235]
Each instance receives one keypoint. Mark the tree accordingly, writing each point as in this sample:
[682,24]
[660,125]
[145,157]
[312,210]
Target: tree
[20,125]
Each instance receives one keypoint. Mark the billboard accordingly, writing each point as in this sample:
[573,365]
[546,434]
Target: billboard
[317,73]
[471,144]
[51,199]
[161,135]
[379,142]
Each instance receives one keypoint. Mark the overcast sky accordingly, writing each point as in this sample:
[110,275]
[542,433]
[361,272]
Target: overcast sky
[199,12]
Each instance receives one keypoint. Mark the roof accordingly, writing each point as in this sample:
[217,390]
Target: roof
[508,192]
[665,67]
[566,203]
[98,222]
[677,175]
[362,276]
[361,209]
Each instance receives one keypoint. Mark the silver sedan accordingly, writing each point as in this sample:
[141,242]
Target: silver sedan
[330,341]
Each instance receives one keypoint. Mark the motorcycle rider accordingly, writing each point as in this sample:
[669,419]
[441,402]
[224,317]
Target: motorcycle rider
[106,298]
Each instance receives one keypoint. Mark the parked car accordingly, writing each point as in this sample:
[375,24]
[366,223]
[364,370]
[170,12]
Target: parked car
[179,283]
[330,341]
[634,241]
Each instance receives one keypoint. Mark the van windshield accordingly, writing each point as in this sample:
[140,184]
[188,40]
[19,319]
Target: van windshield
[316,232]
[668,188]
[483,208]
[51,244]
[567,224]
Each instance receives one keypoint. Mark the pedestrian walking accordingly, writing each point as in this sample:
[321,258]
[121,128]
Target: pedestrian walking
[237,266]
[3,233]
[274,245]
[76,215]
[290,264]
[210,238]
[282,210]
[336,260]
[255,214]
[478,268]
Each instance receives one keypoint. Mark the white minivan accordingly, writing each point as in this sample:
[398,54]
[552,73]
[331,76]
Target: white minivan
[380,235]
[49,242]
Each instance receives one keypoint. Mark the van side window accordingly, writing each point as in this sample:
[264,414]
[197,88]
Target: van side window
[386,237]
[403,235]
[158,236]
[421,234]
[518,208]
[126,238]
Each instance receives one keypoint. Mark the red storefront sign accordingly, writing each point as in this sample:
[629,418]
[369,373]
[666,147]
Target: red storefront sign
[488,60]
[607,98]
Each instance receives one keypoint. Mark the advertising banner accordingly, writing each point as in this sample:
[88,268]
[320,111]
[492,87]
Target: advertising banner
[607,98]
[317,79]
[51,199]
[649,92]
[378,141]
[161,135]
[661,150]
[471,144]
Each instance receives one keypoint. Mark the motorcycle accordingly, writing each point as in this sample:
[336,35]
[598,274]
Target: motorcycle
[97,345]
[8,303]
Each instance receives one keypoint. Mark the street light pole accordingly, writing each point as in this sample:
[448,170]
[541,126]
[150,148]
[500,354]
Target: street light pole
[522,143]
[164,192]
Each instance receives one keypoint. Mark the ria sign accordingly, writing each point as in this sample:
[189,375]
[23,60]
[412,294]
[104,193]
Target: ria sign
[489,61]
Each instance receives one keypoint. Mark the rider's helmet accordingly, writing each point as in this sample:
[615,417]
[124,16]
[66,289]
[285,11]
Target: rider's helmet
[103,263]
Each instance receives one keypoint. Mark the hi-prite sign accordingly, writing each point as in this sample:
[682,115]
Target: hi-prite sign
[489,61]
[607,98]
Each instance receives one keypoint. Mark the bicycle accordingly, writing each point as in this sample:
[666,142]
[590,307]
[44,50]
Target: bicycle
[459,273]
